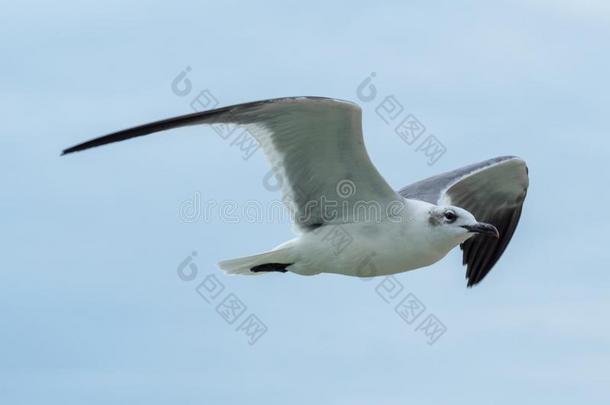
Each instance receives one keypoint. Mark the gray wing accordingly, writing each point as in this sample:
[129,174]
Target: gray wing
[314,144]
[493,191]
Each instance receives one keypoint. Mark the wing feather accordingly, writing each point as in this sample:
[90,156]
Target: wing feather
[493,191]
[314,144]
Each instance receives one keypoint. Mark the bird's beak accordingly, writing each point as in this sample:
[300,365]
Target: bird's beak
[483,228]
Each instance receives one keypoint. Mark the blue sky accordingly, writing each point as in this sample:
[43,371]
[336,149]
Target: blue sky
[92,306]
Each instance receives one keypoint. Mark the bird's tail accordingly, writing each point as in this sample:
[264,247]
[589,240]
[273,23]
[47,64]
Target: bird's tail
[275,260]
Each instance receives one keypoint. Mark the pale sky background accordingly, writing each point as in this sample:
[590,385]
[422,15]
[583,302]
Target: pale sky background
[92,308]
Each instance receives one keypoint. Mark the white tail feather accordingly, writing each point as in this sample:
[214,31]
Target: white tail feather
[242,265]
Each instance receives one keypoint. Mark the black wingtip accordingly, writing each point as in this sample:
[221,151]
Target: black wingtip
[471,283]
[81,146]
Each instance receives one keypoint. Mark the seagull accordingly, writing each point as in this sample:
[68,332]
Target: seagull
[347,218]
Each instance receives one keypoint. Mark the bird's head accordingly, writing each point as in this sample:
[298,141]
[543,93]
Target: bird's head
[458,224]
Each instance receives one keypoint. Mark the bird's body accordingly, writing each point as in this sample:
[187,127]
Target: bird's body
[348,219]
[394,244]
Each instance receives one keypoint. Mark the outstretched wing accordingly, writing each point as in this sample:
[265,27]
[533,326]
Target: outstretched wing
[493,191]
[314,144]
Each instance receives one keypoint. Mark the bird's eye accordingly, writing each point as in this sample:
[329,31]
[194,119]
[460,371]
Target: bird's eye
[450,216]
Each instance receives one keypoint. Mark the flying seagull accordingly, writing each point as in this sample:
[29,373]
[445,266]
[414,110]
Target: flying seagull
[347,218]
